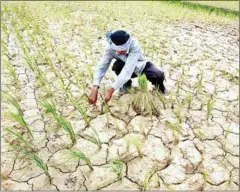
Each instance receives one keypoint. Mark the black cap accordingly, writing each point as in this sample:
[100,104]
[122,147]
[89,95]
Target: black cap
[119,37]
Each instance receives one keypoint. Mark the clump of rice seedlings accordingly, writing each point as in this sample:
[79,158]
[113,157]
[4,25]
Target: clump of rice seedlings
[146,181]
[178,114]
[66,125]
[210,104]
[189,100]
[162,99]
[95,139]
[176,128]
[81,156]
[74,102]
[20,119]
[136,143]
[200,135]
[117,166]
[198,84]
[11,71]
[9,99]
[143,100]
[205,175]
[90,72]
[142,130]
[39,162]
[178,84]
[22,141]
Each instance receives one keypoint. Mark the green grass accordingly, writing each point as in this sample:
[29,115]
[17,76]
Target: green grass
[221,9]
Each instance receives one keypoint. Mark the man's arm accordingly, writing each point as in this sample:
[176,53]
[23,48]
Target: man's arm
[102,67]
[128,68]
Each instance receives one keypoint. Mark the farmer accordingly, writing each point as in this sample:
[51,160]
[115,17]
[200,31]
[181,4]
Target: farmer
[129,64]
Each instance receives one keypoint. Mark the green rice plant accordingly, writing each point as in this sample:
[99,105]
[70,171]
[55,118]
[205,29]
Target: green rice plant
[143,99]
[74,102]
[178,114]
[66,125]
[81,156]
[178,84]
[142,130]
[198,84]
[107,114]
[39,162]
[9,99]
[146,181]
[117,166]
[136,143]
[169,186]
[95,140]
[143,83]
[200,135]
[205,175]
[22,140]
[11,71]
[210,104]
[176,128]
[189,100]
[20,119]
[90,72]
[162,99]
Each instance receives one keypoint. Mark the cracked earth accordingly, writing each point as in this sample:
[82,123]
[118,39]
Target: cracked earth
[204,155]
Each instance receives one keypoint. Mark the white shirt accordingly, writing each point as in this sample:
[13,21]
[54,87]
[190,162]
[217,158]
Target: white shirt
[134,62]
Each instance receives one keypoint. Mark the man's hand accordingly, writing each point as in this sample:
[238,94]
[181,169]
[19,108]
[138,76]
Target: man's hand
[108,95]
[93,96]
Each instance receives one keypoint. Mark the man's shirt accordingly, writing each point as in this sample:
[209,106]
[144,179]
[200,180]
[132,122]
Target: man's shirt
[134,63]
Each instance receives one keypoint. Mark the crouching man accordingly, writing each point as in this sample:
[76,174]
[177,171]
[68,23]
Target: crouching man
[129,63]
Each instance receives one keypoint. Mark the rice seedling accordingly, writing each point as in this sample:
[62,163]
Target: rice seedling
[176,128]
[146,181]
[200,135]
[9,99]
[39,162]
[20,119]
[12,72]
[178,84]
[23,143]
[95,139]
[66,125]
[210,104]
[162,99]
[143,100]
[117,166]
[136,143]
[178,114]
[189,100]
[198,84]
[81,156]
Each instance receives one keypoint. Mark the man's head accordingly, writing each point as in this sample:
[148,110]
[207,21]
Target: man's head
[119,41]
